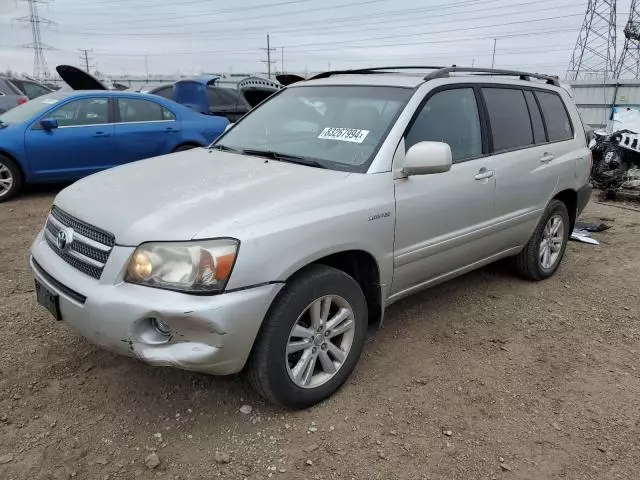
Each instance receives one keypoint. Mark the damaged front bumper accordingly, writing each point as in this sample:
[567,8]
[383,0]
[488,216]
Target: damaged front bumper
[209,334]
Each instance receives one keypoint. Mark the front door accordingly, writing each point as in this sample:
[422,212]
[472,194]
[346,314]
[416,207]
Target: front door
[144,129]
[444,221]
[82,144]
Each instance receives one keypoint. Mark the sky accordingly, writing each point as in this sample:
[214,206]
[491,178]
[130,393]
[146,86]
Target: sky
[131,37]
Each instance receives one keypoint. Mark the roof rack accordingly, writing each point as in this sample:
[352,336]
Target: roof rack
[444,73]
[360,71]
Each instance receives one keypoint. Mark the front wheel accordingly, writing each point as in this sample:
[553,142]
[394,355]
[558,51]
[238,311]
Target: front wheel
[311,340]
[10,179]
[542,255]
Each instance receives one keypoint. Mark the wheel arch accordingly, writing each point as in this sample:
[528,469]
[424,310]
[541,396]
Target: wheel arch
[14,159]
[363,267]
[570,199]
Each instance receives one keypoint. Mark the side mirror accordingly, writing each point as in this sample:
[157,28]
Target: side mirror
[425,158]
[49,123]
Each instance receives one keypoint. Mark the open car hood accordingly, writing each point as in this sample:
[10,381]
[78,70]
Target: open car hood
[289,78]
[79,79]
[255,89]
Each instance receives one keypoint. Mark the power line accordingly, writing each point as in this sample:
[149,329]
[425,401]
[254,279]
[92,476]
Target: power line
[40,69]
[416,20]
[268,61]
[84,58]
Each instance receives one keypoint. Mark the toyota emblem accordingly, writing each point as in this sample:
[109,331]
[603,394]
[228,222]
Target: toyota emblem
[64,239]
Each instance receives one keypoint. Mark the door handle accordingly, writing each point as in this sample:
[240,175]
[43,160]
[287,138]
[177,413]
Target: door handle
[546,158]
[170,130]
[483,174]
[101,134]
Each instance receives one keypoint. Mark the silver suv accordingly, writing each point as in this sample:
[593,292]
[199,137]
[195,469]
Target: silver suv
[273,250]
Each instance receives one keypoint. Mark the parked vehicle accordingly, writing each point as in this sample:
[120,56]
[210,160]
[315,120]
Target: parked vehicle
[277,248]
[203,95]
[16,91]
[67,135]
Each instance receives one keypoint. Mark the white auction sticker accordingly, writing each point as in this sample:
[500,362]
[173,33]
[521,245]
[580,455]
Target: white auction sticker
[354,135]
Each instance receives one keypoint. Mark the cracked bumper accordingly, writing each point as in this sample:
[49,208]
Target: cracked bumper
[210,334]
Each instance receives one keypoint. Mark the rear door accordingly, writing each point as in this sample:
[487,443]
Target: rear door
[144,129]
[525,177]
[82,144]
[444,222]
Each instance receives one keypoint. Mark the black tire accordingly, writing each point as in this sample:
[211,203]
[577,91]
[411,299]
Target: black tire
[14,173]
[182,148]
[528,263]
[267,368]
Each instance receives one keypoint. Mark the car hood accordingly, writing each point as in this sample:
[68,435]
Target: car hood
[255,90]
[199,193]
[78,79]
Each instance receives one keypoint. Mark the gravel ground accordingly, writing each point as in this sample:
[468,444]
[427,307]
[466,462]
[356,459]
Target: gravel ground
[485,377]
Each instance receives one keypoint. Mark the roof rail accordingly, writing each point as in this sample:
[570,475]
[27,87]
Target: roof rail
[444,73]
[360,71]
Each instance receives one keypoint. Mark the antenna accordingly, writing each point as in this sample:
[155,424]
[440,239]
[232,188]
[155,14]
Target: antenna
[40,69]
[595,50]
[629,61]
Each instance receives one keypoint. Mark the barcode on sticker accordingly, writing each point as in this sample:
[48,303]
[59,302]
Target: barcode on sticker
[354,135]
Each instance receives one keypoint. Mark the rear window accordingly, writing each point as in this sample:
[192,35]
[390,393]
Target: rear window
[509,118]
[555,116]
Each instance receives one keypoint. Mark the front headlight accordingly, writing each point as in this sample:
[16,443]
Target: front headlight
[200,267]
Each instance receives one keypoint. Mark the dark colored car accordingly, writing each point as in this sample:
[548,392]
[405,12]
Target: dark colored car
[16,91]
[227,102]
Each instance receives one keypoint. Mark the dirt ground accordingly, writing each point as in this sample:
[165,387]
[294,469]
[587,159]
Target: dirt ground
[485,377]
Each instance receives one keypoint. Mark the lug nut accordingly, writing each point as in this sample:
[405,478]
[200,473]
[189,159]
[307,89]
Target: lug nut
[327,333]
[314,350]
[323,346]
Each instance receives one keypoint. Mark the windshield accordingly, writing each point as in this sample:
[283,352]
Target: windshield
[27,111]
[337,127]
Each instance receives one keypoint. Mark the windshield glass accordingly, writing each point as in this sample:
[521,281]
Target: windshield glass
[339,127]
[27,111]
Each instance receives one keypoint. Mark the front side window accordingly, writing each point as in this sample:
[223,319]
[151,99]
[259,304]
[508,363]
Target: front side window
[555,115]
[338,127]
[508,117]
[86,111]
[137,110]
[450,116]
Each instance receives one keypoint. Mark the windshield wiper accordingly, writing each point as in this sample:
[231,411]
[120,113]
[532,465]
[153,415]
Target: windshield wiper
[224,148]
[284,157]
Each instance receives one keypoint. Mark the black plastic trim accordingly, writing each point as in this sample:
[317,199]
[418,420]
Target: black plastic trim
[78,297]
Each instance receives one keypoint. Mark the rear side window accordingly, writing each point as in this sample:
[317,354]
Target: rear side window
[449,116]
[509,118]
[166,92]
[136,110]
[536,118]
[555,116]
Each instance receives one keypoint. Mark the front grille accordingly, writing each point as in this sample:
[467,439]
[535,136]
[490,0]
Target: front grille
[89,247]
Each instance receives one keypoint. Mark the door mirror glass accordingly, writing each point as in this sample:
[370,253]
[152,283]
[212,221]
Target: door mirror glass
[49,123]
[425,158]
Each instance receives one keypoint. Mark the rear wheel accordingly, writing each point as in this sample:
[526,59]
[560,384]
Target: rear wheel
[542,255]
[311,340]
[10,179]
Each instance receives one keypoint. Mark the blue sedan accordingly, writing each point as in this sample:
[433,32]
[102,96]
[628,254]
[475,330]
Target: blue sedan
[67,135]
